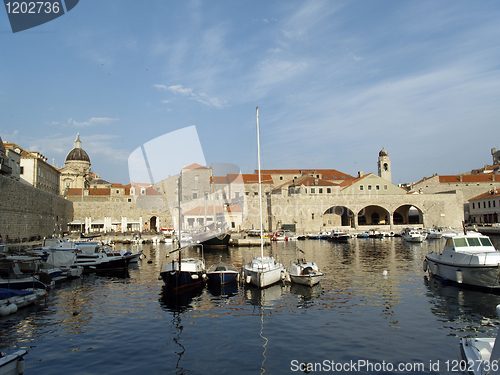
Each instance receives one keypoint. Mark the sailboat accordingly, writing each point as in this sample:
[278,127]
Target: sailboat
[183,273]
[262,271]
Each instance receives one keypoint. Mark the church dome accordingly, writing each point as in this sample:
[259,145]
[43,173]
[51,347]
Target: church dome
[383,153]
[78,153]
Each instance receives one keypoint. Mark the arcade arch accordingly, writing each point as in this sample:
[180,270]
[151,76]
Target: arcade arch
[373,215]
[339,216]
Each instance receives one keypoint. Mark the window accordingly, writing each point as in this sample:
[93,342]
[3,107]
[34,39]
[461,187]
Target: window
[385,187]
[312,216]
[328,190]
[473,205]
[22,170]
[129,200]
[377,187]
[281,178]
[369,187]
[484,204]
[118,192]
[361,187]
[195,195]
[313,190]
[143,191]
[489,204]
[494,204]
[320,190]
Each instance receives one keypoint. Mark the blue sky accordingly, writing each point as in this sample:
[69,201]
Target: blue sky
[335,82]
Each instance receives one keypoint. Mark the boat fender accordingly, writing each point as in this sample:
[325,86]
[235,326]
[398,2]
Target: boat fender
[248,279]
[460,277]
[21,366]
[13,308]
[194,277]
[425,265]
[435,269]
[4,310]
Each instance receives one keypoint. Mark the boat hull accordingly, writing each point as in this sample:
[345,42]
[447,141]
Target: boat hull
[483,276]
[263,278]
[13,364]
[177,281]
[217,241]
[224,277]
[308,280]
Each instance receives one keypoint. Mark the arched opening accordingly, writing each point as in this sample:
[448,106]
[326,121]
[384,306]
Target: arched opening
[338,216]
[373,215]
[152,224]
[408,214]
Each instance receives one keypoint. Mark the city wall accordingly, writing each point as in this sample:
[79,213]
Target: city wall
[27,213]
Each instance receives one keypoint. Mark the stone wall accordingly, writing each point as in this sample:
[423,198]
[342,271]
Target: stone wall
[27,213]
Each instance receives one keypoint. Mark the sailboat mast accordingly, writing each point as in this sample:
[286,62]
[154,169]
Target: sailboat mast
[260,189]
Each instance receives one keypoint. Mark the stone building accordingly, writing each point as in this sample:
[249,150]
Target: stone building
[485,208]
[469,185]
[33,168]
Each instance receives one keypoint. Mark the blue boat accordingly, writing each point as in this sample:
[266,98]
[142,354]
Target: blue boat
[183,274]
[222,273]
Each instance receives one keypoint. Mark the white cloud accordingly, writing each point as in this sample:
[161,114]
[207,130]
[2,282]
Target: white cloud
[93,121]
[186,91]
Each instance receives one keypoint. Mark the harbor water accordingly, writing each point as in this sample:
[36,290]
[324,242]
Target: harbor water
[359,319]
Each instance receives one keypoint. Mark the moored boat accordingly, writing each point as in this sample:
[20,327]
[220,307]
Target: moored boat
[469,259]
[12,364]
[222,273]
[480,355]
[414,236]
[262,271]
[305,273]
[182,274]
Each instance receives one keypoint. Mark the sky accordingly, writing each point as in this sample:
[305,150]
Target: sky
[335,82]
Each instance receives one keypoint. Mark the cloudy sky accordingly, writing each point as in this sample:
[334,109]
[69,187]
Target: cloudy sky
[335,82]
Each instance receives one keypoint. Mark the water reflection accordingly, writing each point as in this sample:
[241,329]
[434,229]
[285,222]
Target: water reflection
[179,302]
[305,294]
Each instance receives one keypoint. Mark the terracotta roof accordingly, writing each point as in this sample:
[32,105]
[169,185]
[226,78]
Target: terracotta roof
[250,178]
[467,178]
[195,166]
[489,194]
[219,179]
[78,191]
[309,181]
[326,173]
[348,183]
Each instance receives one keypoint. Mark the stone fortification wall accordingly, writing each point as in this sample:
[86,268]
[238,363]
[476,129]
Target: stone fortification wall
[27,213]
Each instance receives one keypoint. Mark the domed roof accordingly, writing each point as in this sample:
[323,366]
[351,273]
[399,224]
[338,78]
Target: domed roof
[383,153]
[78,153]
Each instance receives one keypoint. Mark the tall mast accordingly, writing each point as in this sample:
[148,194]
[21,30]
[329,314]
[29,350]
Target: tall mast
[260,190]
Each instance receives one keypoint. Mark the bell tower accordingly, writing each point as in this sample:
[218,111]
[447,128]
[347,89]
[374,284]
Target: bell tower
[384,165]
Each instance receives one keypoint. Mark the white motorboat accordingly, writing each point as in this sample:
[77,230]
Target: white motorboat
[434,234]
[468,258]
[339,236]
[414,236]
[12,364]
[481,355]
[262,271]
[305,273]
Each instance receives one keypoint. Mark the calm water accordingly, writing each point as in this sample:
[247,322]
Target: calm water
[356,316]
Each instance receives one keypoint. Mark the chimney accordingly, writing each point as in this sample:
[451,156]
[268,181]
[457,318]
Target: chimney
[360,174]
[315,181]
[460,178]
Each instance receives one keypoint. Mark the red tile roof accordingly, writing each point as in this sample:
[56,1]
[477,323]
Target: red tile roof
[195,166]
[489,194]
[326,173]
[467,178]
[209,210]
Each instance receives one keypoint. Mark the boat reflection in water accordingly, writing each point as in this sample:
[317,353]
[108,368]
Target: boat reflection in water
[262,299]
[306,294]
[223,291]
[179,302]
